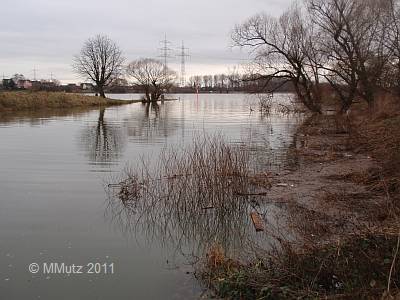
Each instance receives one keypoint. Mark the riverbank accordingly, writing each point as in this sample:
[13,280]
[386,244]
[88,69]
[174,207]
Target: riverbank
[19,101]
[340,205]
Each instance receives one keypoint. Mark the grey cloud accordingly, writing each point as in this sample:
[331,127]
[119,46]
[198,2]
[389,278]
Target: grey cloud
[47,33]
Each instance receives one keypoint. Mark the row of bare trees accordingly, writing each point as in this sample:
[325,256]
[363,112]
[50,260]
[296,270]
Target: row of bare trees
[233,80]
[211,81]
[101,61]
[353,45]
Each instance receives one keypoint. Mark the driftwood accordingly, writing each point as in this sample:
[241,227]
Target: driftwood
[257,221]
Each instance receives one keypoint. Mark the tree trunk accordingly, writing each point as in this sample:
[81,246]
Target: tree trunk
[148,97]
[155,95]
[100,89]
[307,100]
[147,94]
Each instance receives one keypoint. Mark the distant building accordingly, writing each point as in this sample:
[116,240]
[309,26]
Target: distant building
[9,84]
[87,86]
[24,84]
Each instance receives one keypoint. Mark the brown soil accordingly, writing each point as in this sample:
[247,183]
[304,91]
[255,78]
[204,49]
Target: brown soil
[330,187]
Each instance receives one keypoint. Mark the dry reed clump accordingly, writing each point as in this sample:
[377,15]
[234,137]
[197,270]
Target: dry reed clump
[354,268]
[216,259]
[290,109]
[265,103]
[210,172]
[197,195]
[13,101]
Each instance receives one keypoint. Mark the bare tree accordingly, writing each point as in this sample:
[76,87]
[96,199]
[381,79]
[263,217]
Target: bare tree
[392,43]
[353,38]
[100,61]
[216,80]
[234,78]
[206,81]
[153,76]
[223,81]
[18,77]
[281,49]
[192,81]
[334,44]
[198,81]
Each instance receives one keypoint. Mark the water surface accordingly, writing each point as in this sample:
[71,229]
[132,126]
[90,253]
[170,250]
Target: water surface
[53,206]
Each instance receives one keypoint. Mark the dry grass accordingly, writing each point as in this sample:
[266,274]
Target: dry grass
[354,268]
[377,133]
[309,224]
[18,101]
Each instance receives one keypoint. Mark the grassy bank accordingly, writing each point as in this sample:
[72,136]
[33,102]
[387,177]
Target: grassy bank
[18,101]
[344,212]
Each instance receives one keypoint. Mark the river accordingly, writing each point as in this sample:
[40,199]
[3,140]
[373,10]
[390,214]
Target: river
[54,208]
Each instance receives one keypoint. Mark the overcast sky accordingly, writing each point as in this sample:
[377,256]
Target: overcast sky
[45,34]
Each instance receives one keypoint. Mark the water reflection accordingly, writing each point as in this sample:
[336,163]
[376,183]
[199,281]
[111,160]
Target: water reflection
[103,141]
[190,229]
[151,123]
[39,117]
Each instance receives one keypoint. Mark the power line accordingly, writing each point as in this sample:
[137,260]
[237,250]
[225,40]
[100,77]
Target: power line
[165,52]
[34,73]
[183,56]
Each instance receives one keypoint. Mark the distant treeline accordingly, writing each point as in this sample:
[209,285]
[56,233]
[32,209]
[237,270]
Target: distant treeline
[223,83]
[220,83]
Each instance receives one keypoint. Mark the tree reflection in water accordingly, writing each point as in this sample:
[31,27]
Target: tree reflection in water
[103,141]
[153,123]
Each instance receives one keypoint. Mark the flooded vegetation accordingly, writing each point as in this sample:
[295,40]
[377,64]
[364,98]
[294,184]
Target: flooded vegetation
[195,198]
[54,207]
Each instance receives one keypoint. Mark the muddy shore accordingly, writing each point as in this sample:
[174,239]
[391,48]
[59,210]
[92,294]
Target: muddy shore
[329,185]
[341,218]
